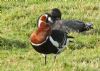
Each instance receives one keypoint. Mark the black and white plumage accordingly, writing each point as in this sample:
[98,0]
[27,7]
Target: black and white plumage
[74,25]
[53,44]
[69,25]
[47,40]
[56,14]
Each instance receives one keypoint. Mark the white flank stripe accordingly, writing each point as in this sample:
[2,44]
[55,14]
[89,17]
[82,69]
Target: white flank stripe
[39,43]
[55,43]
[67,41]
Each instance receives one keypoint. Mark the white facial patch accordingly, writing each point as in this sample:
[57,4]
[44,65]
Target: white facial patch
[49,19]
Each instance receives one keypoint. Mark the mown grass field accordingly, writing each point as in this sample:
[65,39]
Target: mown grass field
[18,18]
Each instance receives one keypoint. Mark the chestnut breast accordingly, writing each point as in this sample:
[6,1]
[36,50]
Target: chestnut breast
[41,34]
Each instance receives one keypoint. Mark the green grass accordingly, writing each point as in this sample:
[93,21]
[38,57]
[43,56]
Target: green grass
[18,19]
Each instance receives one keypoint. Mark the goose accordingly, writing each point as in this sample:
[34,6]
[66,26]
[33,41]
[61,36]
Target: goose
[69,25]
[47,41]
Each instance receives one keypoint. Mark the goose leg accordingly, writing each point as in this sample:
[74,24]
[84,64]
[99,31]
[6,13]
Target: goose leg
[45,59]
[55,57]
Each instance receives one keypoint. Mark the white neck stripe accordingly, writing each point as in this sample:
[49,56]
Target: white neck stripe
[39,43]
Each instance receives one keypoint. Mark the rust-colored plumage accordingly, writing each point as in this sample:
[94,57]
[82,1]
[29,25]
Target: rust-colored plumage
[43,18]
[42,32]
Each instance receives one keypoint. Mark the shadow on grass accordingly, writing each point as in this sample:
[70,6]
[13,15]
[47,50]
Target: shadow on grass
[79,46]
[89,44]
[92,32]
[10,44]
[96,31]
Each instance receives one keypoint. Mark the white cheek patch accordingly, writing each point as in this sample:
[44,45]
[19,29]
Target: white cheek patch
[49,19]
[55,43]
